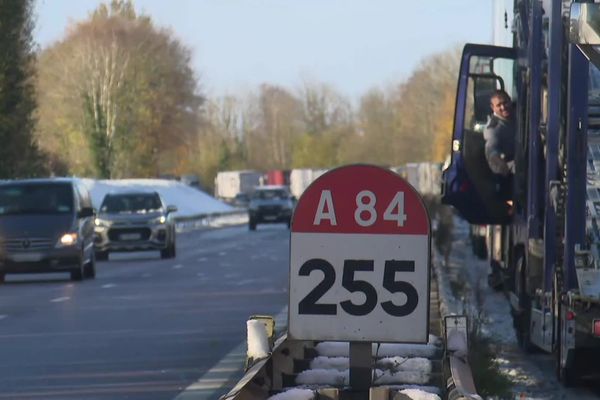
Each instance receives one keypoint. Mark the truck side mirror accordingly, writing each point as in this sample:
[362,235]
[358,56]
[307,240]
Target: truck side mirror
[584,27]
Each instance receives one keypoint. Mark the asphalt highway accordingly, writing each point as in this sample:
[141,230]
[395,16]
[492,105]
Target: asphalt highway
[145,328]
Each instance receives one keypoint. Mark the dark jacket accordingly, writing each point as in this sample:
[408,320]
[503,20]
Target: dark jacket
[499,138]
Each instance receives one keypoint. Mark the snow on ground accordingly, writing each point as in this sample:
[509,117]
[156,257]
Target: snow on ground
[189,201]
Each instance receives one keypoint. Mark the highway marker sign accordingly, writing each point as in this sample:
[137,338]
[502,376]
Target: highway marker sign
[360,259]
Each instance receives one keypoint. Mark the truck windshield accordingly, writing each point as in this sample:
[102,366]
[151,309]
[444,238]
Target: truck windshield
[130,203]
[46,198]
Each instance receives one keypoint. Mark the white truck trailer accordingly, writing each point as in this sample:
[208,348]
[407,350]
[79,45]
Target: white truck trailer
[230,183]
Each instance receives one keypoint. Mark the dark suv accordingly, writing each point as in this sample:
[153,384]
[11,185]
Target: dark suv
[134,221]
[270,204]
[46,225]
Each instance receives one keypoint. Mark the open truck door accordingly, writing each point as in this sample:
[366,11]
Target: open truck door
[468,184]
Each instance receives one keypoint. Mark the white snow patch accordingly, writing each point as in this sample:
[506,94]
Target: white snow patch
[341,349]
[391,377]
[189,201]
[417,394]
[294,394]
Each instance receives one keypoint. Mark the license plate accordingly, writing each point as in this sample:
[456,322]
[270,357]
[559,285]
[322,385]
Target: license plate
[130,236]
[270,217]
[26,257]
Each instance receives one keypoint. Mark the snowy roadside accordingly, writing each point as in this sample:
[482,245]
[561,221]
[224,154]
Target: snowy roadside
[195,208]
[531,374]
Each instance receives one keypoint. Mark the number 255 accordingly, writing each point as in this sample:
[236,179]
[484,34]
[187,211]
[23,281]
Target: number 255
[309,305]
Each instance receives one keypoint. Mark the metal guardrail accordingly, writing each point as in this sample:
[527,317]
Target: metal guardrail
[211,220]
[459,382]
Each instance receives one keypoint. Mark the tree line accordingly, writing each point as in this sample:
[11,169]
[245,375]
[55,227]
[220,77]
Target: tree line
[117,97]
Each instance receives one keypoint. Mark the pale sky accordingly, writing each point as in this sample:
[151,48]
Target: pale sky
[354,45]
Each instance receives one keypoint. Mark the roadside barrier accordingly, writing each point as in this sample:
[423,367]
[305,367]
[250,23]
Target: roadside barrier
[211,220]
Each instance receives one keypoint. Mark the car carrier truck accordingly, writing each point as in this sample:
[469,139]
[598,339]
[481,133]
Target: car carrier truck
[544,240]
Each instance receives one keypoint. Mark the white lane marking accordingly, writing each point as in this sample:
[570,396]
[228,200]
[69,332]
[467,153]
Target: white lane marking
[202,259]
[60,299]
[178,266]
[146,275]
[108,286]
[201,275]
[2,316]
[223,253]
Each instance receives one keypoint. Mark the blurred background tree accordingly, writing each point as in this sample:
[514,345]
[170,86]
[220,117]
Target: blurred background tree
[118,97]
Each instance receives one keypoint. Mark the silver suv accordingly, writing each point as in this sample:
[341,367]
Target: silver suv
[270,204]
[134,221]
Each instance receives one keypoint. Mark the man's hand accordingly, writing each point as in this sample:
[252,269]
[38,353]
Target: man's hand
[498,165]
[511,166]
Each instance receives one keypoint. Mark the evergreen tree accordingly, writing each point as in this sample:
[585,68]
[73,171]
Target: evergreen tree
[19,156]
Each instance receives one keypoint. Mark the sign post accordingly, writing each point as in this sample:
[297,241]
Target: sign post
[359,260]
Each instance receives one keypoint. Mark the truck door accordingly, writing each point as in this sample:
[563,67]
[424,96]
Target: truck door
[468,183]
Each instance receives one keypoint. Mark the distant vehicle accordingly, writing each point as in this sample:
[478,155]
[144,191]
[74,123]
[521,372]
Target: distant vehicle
[241,200]
[46,225]
[270,204]
[425,177]
[300,179]
[277,177]
[134,221]
[230,183]
[169,177]
[191,180]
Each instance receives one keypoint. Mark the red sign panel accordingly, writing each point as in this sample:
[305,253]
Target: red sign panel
[361,199]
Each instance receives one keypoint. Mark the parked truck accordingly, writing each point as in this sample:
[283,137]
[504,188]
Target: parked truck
[228,184]
[301,178]
[544,236]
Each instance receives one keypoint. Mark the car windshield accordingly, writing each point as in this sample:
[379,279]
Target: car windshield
[43,198]
[270,195]
[130,203]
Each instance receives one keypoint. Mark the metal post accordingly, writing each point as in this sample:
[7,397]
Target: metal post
[360,366]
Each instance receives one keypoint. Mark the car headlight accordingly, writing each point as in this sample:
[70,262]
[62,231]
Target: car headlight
[101,222]
[160,220]
[68,239]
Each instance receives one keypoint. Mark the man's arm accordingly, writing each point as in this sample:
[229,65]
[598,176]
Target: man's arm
[493,155]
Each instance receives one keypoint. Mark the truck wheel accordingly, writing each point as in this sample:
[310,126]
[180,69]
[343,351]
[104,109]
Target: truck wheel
[523,316]
[566,374]
[496,277]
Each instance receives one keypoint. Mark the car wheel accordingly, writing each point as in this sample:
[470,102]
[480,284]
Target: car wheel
[173,250]
[89,270]
[168,252]
[101,255]
[252,225]
[77,273]
[2,277]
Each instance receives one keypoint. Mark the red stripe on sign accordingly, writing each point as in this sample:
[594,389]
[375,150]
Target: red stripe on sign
[361,199]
